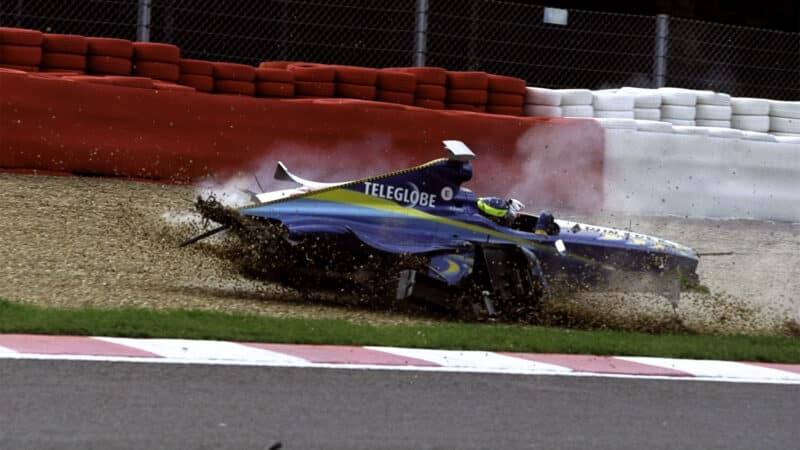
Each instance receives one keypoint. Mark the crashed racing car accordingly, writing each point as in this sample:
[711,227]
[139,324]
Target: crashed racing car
[420,235]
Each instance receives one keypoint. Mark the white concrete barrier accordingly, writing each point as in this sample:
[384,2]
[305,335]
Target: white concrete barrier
[701,175]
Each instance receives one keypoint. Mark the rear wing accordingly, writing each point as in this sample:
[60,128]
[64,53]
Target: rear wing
[458,151]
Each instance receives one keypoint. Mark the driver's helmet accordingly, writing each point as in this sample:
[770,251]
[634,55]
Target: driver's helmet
[499,210]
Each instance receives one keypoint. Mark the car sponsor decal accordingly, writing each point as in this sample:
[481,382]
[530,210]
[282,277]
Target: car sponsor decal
[411,196]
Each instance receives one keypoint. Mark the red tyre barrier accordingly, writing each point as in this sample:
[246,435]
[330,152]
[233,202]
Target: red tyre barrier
[156,51]
[22,55]
[314,88]
[167,86]
[124,81]
[197,67]
[20,36]
[65,43]
[505,99]
[203,83]
[469,96]
[430,92]
[119,48]
[108,65]
[467,80]
[430,104]
[359,91]
[67,61]
[135,82]
[158,70]
[427,75]
[507,110]
[352,75]
[274,89]
[57,72]
[403,98]
[466,107]
[274,75]
[234,72]
[19,67]
[234,87]
[142,133]
[313,72]
[396,80]
[502,83]
[276,64]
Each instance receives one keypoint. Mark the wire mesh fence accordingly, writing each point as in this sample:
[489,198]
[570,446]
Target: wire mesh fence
[739,60]
[110,18]
[592,50]
[355,32]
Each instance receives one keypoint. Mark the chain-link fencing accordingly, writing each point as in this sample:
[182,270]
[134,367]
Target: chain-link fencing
[742,61]
[110,18]
[591,50]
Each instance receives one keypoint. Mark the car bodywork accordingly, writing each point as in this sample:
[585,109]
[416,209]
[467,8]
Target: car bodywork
[468,260]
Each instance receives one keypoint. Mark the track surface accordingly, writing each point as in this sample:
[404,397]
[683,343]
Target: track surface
[94,405]
[70,241]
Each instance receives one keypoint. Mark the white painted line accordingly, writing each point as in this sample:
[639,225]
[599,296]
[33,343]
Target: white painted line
[380,367]
[476,360]
[186,349]
[6,350]
[716,369]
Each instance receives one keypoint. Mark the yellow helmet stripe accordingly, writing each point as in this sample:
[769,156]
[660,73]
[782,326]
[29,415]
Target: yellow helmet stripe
[488,209]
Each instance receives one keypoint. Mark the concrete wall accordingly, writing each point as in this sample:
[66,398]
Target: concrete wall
[701,176]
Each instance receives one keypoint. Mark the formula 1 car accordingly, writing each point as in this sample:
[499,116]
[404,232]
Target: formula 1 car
[421,232]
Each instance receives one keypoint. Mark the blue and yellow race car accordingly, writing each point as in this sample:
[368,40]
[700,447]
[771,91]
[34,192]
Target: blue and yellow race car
[435,241]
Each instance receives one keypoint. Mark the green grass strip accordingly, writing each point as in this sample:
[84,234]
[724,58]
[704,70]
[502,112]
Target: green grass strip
[194,324]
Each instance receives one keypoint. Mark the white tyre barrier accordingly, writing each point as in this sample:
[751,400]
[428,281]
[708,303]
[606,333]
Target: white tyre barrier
[789,110]
[784,125]
[724,132]
[620,124]
[654,126]
[575,97]
[680,122]
[750,106]
[758,136]
[608,101]
[677,96]
[713,112]
[647,113]
[609,114]
[681,129]
[713,123]
[643,98]
[678,112]
[750,122]
[542,96]
[795,139]
[713,98]
[577,111]
[542,111]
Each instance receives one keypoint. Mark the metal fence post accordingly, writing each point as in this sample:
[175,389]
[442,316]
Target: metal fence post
[143,22]
[660,63]
[421,33]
